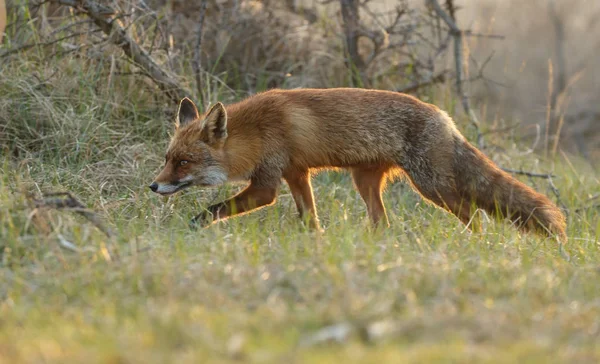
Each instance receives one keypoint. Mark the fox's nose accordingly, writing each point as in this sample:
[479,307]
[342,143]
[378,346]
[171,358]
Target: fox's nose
[154,186]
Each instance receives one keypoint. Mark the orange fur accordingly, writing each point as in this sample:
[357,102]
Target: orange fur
[286,134]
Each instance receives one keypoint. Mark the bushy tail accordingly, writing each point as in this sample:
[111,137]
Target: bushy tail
[479,180]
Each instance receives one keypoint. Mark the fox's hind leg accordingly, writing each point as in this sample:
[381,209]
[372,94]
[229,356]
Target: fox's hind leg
[370,182]
[301,189]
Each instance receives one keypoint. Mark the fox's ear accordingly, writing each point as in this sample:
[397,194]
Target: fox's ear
[187,112]
[215,124]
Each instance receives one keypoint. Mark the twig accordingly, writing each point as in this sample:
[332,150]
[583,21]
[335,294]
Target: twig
[198,53]
[595,197]
[528,174]
[592,206]
[45,44]
[481,69]
[548,177]
[470,33]
[439,78]
[65,200]
[556,192]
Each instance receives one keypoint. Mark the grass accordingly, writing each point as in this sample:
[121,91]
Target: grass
[260,288]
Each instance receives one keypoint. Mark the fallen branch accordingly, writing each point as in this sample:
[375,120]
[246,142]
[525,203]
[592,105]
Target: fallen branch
[66,201]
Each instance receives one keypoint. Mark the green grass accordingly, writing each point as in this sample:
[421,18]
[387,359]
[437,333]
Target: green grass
[260,288]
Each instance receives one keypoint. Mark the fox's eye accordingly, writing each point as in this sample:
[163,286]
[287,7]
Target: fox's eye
[183,163]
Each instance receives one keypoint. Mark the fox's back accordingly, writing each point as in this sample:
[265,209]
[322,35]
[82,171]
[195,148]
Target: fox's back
[342,126]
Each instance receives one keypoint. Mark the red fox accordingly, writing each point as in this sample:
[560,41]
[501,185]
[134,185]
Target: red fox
[376,135]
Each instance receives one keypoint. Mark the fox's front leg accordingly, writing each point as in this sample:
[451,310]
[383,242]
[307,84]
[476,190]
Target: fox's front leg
[301,189]
[250,199]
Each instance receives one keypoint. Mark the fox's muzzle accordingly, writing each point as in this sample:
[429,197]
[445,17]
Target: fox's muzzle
[153,186]
[170,188]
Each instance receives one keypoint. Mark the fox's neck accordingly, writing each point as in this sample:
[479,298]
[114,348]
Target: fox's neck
[243,148]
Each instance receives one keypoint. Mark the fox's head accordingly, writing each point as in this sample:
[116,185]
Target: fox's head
[195,155]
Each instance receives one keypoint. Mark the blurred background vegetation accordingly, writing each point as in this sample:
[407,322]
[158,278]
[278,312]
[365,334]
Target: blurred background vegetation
[532,63]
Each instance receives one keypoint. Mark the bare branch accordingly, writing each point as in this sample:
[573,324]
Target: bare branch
[528,174]
[439,78]
[556,192]
[448,19]
[480,75]
[469,33]
[65,200]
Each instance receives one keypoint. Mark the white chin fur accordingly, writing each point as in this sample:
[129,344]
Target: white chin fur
[170,188]
[162,188]
[213,176]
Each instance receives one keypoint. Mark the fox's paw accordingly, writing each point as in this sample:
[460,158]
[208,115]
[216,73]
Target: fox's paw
[193,224]
[201,221]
